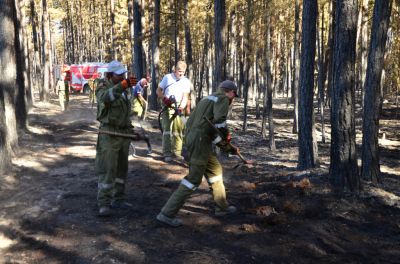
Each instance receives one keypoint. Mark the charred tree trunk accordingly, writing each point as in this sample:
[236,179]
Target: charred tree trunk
[220,41]
[138,47]
[155,54]
[343,168]
[189,52]
[247,55]
[203,69]
[22,76]
[308,151]
[372,102]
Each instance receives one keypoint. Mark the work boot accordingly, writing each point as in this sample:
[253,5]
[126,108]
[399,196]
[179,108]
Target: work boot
[174,222]
[121,205]
[104,211]
[230,210]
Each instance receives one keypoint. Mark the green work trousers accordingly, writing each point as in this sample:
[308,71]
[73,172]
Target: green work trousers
[173,128]
[111,167]
[137,108]
[212,171]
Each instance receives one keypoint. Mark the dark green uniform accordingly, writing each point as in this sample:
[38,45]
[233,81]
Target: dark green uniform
[92,93]
[113,110]
[199,139]
[62,90]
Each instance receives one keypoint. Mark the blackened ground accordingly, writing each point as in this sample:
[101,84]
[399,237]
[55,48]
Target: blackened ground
[49,215]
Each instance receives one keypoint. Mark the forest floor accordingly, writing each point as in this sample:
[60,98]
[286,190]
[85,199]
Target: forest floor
[49,214]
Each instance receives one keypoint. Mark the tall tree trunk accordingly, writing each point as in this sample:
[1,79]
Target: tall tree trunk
[321,73]
[155,54]
[112,50]
[8,71]
[373,105]
[50,53]
[131,34]
[175,28]
[44,93]
[247,55]
[36,56]
[188,41]
[22,76]
[363,45]
[295,85]
[203,68]
[189,52]
[308,151]
[329,52]
[138,47]
[220,41]
[343,168]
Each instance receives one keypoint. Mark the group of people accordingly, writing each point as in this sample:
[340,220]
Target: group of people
[205,128]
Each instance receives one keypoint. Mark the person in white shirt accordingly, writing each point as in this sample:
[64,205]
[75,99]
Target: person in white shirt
[174,91]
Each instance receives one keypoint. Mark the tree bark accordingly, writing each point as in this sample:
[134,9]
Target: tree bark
[321,73]
[343,168]
[189,52]
[22,76]
[247,54]
[308,151]
[295,85]
[8,71]
[155,54]
[372,101]
[220,41]
[137,42]
[44,93]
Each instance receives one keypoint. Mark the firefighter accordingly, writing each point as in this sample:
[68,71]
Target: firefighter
[113,113]
[199,140]
[93,85]
[62,88]
[174,91]
[138,101]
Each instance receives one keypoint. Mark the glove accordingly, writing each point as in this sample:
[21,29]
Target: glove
[131,81]
[125,84]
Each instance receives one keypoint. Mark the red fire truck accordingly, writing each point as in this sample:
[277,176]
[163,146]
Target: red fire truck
[82,73]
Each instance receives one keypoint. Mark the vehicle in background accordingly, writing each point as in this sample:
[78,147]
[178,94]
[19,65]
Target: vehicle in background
[81,74]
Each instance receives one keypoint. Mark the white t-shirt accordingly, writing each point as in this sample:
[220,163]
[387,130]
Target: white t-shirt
[171,86]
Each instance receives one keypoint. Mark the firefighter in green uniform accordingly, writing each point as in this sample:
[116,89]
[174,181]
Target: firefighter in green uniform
[62,89]
[93,86]
[113,113]
[200,137]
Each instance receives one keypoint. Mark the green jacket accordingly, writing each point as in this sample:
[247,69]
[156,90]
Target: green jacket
[113,107]
[199,133]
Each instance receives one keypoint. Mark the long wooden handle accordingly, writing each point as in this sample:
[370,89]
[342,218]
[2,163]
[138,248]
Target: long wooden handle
[117,134]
